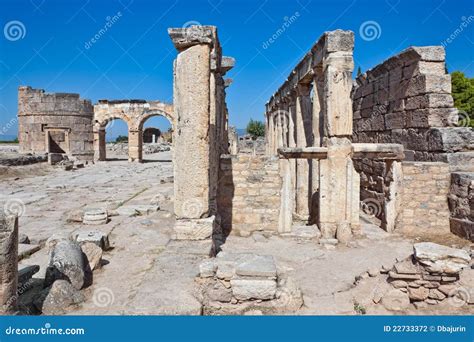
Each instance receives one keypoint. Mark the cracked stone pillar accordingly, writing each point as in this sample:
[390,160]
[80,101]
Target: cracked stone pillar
[8,263]
[339,182]
[292,143]
[201,120]
[191,101]
[135,143]
[303,139]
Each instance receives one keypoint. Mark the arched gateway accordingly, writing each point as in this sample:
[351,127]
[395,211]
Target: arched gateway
[134,113]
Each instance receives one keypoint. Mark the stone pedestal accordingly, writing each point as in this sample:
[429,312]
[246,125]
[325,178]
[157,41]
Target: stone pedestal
[338,188]
[8,264]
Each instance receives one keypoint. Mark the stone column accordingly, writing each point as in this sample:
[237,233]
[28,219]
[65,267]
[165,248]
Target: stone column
[303,139]
[192,111]
[99,144]
[8,264]
[339,182]
[292,143]
[135,142]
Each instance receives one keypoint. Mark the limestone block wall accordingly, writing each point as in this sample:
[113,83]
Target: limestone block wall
[407,100]
[249,193]
[66,118]
[424,201]
[461,204]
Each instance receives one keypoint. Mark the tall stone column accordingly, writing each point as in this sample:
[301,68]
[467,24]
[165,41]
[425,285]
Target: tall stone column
[303,139]
[135,144]
[339,182]
[99,144]
[8,263]
[192,110]
[292,143]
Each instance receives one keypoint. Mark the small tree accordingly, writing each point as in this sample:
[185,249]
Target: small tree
[121,139]
[256,128]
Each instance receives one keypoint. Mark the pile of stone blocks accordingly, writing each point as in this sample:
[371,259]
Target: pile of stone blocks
[461,204]
[234,282]
[428,277]
[72,261]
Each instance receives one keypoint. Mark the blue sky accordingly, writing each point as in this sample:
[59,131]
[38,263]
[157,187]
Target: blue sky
[134,58]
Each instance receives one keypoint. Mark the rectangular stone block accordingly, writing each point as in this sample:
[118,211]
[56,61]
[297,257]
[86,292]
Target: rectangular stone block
[245,289]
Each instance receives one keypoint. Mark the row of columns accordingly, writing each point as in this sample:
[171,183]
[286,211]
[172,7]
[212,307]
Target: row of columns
[291,125]
[314,109]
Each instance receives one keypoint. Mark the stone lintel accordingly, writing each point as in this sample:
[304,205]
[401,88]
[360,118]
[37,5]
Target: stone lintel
[378,151]
[185,37]
[303,152]
[359,151]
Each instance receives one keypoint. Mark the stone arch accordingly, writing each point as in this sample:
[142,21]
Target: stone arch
[134,113]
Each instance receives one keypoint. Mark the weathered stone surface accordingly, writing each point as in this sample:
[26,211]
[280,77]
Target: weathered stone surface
[218,292]
[245,289]
[23,238]
[258,266]
[436,294]
[95,236]
[442,259]
[406,267]
[93,254]
[194,229]
[8,263]
[207,268]
[399,284]
[395,300]
[419,293]
[395,275]
[66,262]
[56,299]
[55,238]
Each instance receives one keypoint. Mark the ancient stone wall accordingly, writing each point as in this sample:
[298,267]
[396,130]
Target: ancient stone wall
[461,204]
[424,202]
[54,122]
[249,193]
[407,100]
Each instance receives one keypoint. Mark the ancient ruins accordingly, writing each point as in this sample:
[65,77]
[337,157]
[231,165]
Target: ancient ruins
[360,199]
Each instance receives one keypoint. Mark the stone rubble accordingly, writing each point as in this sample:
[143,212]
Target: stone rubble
[430,275]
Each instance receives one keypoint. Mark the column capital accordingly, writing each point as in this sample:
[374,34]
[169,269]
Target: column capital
[185,37]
